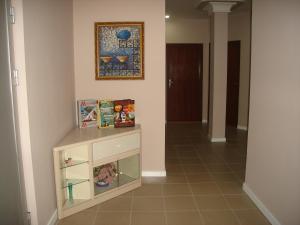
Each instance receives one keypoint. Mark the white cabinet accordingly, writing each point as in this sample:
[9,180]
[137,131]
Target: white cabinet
[93,165]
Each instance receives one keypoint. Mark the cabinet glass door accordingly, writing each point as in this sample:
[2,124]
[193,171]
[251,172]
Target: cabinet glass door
[115,174]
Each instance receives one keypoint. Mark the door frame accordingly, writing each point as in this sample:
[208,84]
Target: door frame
[238,43]
[201,82]
[21,109]
[13,95]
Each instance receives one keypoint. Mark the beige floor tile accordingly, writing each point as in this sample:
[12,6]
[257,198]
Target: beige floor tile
[211,203]
[187,154]
[85,217]
[251,217]
[212,159]
[188,161]
[148,190]
[171,152]
[226,165]
[233,159]
[240,175]
[218,168]
[200,177]
[179,203]
[176,179]
[237,167]
[172,161]
[112,218]
[240,202]
[221,177]
[127,194]
[194,169]
[219,218]
[147,204]
[210,152]
[154,180]
[184,144]
[184,218]
[244,159]
[176,189]
[116,204]
[174,169]
[229,188]
[170,173]
[205,188]
[148,218]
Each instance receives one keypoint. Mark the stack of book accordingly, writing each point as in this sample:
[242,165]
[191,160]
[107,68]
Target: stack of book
[106,113]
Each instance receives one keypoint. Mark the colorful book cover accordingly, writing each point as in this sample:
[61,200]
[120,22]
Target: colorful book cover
[124,113]
[87,113]
[106,113]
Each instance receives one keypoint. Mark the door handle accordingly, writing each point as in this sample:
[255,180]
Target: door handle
[170,82]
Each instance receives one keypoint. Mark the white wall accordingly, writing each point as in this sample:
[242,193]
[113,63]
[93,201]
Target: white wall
[48,29]
[273,160]
[149,93]
[187,30]
[193,31]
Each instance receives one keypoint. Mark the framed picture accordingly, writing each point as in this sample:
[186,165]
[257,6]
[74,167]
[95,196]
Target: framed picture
[119,48]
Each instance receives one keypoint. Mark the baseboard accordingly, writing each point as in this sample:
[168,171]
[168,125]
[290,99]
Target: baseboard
[242,127]
[53,220]
[218,139]
[204,121]
[154,173]
[260,205]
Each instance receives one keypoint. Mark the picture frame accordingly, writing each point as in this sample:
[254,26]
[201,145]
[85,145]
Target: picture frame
[119,50]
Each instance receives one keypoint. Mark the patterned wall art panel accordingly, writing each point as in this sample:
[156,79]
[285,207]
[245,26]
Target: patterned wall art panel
[119,48]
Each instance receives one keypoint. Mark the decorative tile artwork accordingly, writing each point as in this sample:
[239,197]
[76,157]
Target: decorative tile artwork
[119,50]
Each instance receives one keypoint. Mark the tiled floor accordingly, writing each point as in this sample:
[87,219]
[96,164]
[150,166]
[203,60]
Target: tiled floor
[203,186]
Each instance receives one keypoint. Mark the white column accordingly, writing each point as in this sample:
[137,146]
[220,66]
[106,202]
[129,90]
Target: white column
[218,67]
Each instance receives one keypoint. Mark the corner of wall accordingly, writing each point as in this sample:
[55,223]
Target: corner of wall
[260,205]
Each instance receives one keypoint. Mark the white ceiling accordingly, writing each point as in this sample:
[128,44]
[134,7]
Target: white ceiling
[189,9]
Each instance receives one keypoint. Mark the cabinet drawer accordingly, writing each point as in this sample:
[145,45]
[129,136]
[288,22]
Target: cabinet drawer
[115,146]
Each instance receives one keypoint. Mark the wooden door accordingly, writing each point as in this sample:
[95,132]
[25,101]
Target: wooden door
[233,81]
[184,82]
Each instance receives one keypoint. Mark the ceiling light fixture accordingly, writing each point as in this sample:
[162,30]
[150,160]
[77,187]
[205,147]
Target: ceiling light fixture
[167,16]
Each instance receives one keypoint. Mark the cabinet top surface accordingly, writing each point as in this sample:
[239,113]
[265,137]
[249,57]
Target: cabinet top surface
[91,134]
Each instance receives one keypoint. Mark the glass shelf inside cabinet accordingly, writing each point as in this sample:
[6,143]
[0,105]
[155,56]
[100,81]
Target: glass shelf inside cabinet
[72,163]
[68,182]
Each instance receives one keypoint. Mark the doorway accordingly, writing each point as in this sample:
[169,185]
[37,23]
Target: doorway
[184,82]
[233,83]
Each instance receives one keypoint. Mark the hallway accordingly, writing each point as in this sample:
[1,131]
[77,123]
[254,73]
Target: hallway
[187,145]
[203,186]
